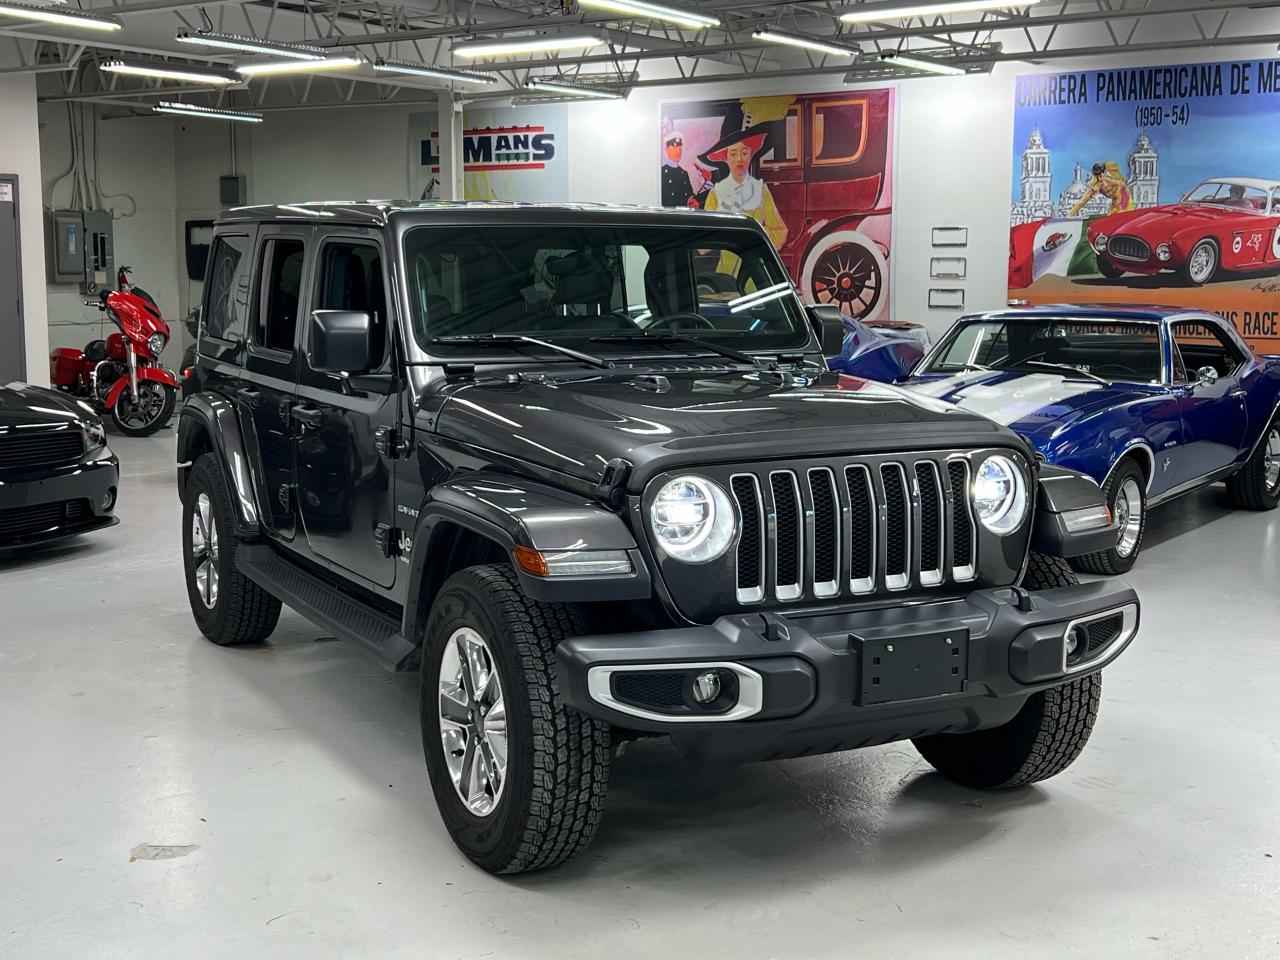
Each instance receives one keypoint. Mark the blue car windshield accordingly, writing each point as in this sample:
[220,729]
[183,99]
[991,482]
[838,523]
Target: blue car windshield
[1113,349]
[573,285]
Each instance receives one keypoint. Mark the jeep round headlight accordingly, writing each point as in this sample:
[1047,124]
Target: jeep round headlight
[1000,495]
[155,343]
[692,519]
[1100,243]
[1164,252]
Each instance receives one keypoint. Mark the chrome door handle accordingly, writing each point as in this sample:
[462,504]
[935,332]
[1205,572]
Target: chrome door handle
[1239,394]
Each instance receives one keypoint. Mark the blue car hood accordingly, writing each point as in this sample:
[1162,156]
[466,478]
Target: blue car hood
[1036,405]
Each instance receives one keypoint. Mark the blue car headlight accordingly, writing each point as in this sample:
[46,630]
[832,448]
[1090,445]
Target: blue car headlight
[1000,495]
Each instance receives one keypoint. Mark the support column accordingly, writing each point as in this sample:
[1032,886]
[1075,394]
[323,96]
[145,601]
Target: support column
[450,147]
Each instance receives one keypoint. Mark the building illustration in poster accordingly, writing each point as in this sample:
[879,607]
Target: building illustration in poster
[815,170]
[1151,185]
[516,153]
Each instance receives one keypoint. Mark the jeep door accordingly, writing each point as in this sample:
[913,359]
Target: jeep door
[271,367]
[344,484]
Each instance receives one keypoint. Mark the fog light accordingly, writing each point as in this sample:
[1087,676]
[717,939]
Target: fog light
[109,499]
[1073,641]
[706,686]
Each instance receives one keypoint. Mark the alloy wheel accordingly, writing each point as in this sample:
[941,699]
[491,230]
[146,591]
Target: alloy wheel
[204,550]
[140,413]
[1271,460]
[1202,263]
[1128,516]
[473,721]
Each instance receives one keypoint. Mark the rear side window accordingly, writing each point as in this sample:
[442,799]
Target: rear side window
[351,279]
[280,294]
[228,297]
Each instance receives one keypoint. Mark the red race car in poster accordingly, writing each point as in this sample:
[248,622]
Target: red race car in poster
[1224,224]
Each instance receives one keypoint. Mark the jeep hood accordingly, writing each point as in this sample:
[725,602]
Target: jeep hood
[576,424]
[1036,405]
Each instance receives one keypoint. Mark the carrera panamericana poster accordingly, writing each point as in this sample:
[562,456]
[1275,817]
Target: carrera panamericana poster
[814,169]
[1151,185]
[515,153]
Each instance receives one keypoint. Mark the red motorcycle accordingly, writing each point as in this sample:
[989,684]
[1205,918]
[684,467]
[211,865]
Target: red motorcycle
[123,373]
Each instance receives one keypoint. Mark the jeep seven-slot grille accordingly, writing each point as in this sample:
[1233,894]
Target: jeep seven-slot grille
[854,530]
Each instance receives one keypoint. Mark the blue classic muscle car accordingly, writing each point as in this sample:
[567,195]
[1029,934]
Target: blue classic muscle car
[1150,402]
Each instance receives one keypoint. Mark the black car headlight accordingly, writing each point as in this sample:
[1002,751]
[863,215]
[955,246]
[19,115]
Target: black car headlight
[692,519]
[95,435]
[1000,495]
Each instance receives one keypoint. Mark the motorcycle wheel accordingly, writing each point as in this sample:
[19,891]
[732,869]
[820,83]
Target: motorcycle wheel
[151,412]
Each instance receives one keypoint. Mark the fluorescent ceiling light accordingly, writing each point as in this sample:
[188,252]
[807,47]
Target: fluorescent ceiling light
[168,71]
[268,67]
[542,43]
[427,70]
[921,63]
[682,16]
[233,41]
[806,43]
[210,113]
[61,15]
[572,89]
[881,12]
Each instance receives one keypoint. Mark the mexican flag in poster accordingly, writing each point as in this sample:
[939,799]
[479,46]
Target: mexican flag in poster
[1151,185]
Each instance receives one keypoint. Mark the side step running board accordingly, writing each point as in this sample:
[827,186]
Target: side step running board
[318,601]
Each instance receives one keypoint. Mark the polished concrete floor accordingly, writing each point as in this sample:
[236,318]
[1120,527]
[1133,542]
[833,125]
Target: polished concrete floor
[278,805]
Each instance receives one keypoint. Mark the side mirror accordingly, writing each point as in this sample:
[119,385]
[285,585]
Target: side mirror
[341,341]
[1207,376]
[828,324]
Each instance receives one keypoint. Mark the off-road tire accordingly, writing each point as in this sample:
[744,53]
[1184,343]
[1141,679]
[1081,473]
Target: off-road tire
[1042,739]
[1248,488]
[243,612]
[557,758]
[1110,562]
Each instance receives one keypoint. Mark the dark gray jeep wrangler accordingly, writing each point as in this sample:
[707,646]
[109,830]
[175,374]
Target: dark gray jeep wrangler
[585,468]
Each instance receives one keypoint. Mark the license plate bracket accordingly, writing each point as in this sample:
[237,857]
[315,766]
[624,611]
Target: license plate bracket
[912,667]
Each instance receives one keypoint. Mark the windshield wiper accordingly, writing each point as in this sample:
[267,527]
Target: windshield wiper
[1067,366]
[511,339]
[978,366]
[698,342]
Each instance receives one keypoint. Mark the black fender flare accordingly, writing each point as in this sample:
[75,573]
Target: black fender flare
[515,511]
[1061,493]
[212,416]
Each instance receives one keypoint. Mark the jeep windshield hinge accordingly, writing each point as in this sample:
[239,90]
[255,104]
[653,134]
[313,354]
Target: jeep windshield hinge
[613,481]
[388,442]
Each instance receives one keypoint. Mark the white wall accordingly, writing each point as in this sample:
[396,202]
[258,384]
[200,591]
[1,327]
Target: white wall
[20,154]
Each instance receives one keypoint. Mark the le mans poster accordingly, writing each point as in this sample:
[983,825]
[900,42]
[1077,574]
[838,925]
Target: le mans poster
[815,170]
[1156,185]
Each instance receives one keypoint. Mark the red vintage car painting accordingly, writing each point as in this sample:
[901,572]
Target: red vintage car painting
[1225,224]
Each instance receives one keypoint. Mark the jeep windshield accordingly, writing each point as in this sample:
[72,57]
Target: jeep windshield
[605,290]
[1119,350]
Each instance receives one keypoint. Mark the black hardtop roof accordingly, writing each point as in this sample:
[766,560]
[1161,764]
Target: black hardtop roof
[380,213]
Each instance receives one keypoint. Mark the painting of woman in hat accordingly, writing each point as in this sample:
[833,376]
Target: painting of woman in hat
[740,191]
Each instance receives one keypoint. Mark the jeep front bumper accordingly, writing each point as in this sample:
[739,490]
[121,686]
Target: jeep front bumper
[795,684]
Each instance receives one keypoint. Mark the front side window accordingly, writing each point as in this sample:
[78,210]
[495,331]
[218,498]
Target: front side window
[575,285]
[351,279]
[1237,196]
[280,292]
[1111,349]
[1196,346]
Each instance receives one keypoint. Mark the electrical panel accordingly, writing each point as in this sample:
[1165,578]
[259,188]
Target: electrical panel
[81,249]
[66,246]
[99,252]
[231,190]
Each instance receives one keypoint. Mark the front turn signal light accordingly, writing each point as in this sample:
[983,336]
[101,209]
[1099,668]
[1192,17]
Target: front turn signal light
[572,563]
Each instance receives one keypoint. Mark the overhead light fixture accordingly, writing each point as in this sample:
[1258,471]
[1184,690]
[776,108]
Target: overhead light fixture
[270,67]
[209,113]
[233,41]
[806,43]
[384,65]
[168,71]
[572,89]
[882,12]
[682,16]
[542,43]
[921,63]
[61,15]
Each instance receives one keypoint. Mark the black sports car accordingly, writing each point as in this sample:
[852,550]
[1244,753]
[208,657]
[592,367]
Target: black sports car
[58,477]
